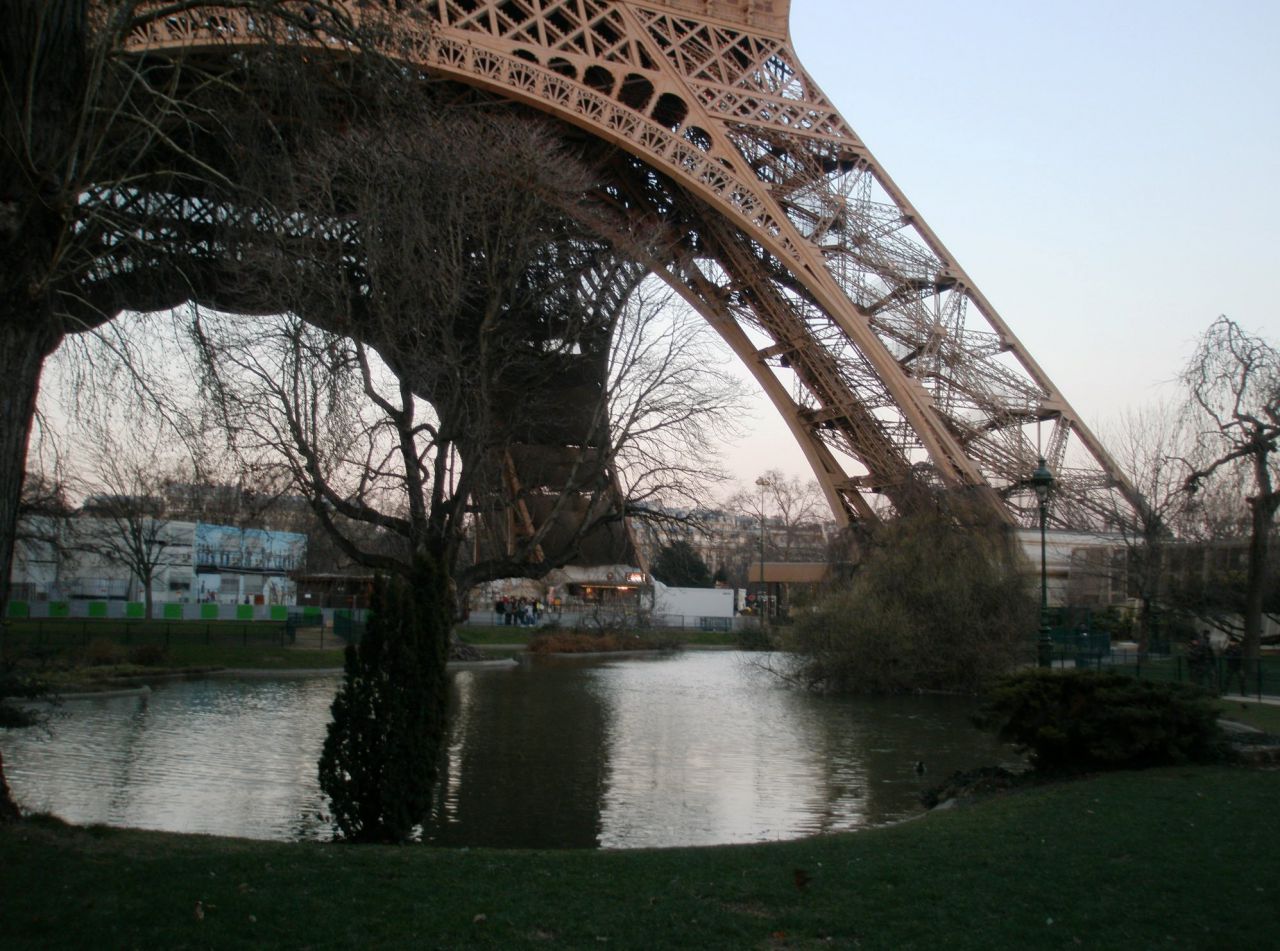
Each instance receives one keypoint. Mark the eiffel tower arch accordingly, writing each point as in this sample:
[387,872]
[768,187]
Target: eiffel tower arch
[748,192]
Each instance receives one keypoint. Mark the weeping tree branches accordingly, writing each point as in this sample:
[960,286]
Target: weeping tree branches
[451,293]
[483,355]
[1233,398]
[670,400]
[111,164]
[1149,443]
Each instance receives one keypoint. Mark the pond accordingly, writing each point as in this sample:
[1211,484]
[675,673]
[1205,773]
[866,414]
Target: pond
[695,748]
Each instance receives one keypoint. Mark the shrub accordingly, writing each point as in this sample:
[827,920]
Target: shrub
[754,638]
[148,655]
[1077,720]
[935,603]
[103,652]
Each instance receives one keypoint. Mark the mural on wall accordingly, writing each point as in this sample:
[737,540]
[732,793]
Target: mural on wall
[249,549]
[247,565]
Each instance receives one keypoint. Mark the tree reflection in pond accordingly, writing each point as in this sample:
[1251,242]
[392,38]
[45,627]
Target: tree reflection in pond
[692,748]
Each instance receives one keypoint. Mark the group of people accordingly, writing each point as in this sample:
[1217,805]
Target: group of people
[518,612]
[1202,662]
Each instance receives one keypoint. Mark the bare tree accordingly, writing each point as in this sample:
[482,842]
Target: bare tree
[1233,392]
[794,514]
[328,414]
[1150,443]
[123,518]
[670,402]
[453,301]
[463,367]
[110,169]
[473,367]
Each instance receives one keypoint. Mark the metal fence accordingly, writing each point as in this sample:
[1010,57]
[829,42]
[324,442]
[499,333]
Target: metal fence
[1221,675]
[349,629]
[587,619]
[58,633]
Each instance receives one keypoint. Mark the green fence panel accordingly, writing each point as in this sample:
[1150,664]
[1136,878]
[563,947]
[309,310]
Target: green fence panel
[97,609]
[208,612]
[59,609]
[135,609]
[173,612]
[19,609]
[279,612]
[310,613]
[244,612]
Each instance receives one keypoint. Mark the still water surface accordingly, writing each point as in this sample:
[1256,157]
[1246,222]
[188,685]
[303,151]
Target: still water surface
[689,749]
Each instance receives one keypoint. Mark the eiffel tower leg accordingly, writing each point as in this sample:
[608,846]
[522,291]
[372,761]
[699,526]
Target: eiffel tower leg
[899,371]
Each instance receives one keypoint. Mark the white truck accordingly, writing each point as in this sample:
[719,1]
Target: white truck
[708,608]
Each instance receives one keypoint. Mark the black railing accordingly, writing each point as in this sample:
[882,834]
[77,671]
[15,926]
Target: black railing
[1222,675]
[347,628]
[46,633]
[297,621]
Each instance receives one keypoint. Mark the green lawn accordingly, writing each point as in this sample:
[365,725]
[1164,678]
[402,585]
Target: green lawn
[1263,716]
[75,655]
[78,678]
[263,657]
[706,638]
[482,634]
[72,634]
[1183,858]
[71,660]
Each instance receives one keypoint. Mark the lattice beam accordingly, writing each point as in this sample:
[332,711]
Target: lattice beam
[895,360]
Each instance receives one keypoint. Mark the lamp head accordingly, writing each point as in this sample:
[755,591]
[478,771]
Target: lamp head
[1042,480]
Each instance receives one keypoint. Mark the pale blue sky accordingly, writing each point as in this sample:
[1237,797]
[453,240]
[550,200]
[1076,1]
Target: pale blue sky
[1106,172]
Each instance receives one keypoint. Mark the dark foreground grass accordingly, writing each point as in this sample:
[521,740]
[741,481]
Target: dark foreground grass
[1178,858]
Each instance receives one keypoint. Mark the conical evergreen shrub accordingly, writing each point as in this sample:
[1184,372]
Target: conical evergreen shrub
[381,754]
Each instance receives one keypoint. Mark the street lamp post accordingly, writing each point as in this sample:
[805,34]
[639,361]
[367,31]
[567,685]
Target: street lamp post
[1042,482]
[762,600]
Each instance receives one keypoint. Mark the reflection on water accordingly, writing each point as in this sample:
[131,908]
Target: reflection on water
[215,756]
[527,761]
[696,748]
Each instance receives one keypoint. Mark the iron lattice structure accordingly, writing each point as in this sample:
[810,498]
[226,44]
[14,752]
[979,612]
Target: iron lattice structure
[772,218]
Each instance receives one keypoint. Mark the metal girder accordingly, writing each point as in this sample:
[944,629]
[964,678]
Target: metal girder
[897,363]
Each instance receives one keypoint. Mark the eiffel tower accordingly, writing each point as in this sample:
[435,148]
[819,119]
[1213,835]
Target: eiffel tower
[778,225]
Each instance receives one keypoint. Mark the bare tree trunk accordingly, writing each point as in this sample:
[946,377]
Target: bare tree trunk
[24,344]
[8,808]
[1146,623]
[1261,512]
[1152,563]
[43,68]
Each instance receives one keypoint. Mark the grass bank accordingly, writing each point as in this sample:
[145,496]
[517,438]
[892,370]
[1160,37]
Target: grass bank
[65,634]
[1165,858]
[481,635]
[189,657]
[1261,716]
[112,658]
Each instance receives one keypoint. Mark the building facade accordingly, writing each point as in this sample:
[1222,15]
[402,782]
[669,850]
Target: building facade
[79,559]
